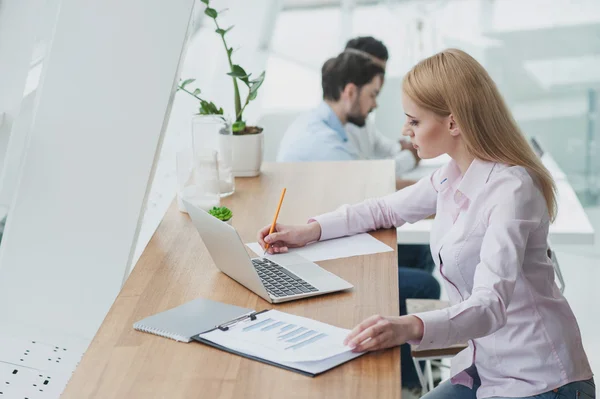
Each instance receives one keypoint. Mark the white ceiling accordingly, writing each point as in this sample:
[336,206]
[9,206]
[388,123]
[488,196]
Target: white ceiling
[296,4]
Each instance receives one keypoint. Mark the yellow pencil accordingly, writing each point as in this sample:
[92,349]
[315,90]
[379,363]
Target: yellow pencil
[275,217]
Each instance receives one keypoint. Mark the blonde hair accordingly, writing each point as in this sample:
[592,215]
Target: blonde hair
[453,82]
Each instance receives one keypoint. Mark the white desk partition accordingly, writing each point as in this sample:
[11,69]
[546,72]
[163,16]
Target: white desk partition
[18,25]
[572,225]
[104,97]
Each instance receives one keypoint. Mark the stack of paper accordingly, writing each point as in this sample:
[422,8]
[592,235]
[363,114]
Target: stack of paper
[286,339]
[360,244]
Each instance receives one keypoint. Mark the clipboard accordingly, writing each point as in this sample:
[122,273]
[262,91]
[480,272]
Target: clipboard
[225,327]
[309,369]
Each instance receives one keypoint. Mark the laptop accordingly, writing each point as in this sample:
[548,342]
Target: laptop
[279,278]
[536,147]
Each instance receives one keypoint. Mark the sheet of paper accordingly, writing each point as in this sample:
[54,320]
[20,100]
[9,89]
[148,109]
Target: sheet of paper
[281,337]
[360,244]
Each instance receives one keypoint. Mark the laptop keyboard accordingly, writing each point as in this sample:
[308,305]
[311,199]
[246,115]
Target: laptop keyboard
[279,281]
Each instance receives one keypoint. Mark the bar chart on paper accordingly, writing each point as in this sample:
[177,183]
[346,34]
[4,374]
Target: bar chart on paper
[283,337]
[289,336]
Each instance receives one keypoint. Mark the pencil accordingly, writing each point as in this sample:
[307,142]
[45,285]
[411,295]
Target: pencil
[275,217]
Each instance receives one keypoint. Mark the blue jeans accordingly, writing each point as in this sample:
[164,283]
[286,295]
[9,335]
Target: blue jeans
[415,256]
[413,283]
[575,390]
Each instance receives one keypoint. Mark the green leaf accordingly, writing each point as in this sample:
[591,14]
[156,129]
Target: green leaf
[196,92]
[254,85]
[260,79]
[229,51]
[209,108]
[204,1]
[211,12]
[186,82]
[238,126]
[238,72]
[222,32]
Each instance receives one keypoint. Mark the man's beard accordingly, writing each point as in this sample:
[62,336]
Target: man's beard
[355,117]
[357,120]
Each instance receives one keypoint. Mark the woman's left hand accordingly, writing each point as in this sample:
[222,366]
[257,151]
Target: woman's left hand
[379,332]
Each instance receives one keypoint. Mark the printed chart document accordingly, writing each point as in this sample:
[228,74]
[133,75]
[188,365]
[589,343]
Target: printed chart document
[344,247]
[284,339]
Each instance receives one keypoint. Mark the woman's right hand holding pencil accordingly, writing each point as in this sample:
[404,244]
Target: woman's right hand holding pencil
[285,237]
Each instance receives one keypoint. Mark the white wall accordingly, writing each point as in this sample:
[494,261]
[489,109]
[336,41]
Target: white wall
[17,34]
[103,99]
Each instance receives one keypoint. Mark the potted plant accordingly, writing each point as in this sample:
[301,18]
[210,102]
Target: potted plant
[247,140]
[222,213]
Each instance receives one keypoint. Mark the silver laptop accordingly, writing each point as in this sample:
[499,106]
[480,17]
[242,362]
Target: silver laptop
[536,147]
[279,278]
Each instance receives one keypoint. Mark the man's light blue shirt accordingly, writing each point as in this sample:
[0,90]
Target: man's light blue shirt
[316,136]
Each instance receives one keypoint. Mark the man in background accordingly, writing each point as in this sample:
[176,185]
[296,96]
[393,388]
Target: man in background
[370,142]
[351,83]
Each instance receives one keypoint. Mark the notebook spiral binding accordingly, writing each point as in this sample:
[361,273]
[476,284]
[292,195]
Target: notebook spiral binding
[162,333]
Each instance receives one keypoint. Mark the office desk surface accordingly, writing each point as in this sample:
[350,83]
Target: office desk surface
[571,227]
[175,268]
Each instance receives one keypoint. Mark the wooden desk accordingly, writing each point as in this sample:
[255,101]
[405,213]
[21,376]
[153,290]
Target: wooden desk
[176,268]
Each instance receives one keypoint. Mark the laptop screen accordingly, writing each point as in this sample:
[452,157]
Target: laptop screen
[537,147]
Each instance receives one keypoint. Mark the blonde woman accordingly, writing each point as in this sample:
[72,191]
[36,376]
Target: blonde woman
[493,204]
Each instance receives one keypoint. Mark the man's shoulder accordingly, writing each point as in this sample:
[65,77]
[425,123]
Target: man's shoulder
[310,125]
[355,130]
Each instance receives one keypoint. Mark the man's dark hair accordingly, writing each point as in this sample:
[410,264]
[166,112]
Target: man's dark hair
[369,45]
[348,67]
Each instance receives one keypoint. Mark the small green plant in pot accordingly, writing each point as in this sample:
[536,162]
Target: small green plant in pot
[247,143]
[222,213]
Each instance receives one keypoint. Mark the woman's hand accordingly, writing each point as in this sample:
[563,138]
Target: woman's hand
[379,332]
[285,237]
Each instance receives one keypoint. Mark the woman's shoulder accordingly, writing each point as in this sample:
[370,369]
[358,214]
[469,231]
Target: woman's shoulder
[513,186]
[511,172]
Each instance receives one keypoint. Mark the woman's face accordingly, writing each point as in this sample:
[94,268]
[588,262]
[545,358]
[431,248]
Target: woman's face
[429,133]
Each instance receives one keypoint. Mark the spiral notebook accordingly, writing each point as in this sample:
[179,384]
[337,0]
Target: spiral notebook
[185,321]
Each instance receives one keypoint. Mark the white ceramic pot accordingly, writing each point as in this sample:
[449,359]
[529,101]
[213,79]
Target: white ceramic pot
[247,154]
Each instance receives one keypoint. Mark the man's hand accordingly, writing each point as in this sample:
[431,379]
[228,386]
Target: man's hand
[407,145]
[402,183]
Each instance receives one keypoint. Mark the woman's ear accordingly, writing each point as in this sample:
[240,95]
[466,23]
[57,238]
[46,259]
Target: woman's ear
[453,126]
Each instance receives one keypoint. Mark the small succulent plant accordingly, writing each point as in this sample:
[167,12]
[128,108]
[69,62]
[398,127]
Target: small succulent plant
[222,213]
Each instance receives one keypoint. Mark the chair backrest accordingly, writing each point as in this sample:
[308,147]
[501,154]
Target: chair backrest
[557,271]
[275,124]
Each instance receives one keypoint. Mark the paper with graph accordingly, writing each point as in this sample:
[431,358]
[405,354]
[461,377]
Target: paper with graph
[282,337]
